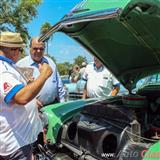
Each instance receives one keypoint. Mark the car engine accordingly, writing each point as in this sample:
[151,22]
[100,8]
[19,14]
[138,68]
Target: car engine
[119,128]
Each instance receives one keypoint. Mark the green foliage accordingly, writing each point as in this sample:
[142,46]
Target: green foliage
[61,69]
[64,68]
[79,59]
[14,14]
[45,27]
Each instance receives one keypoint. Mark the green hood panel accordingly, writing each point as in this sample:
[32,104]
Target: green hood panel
[59,113]
[123,34]
[94,6]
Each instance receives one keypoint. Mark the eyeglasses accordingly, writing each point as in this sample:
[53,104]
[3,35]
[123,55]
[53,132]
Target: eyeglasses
[15,49]
[36,48]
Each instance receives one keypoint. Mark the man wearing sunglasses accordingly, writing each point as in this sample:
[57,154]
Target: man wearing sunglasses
[53,90]
[19,119]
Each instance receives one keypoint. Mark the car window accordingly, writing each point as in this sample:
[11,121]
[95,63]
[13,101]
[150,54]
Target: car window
[153,79]
[149,80]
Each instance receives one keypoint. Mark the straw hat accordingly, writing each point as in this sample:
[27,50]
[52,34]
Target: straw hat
[10,39]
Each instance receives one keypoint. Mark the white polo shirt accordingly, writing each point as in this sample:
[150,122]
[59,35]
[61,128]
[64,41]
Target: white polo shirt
[100,82]
[19,125]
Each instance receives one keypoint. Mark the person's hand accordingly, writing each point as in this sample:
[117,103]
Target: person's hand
[30,80]
[39,104]
[45,70]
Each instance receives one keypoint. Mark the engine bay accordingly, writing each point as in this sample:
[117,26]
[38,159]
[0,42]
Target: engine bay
[115,128]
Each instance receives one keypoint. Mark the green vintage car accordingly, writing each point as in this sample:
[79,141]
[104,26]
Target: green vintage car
[125,36]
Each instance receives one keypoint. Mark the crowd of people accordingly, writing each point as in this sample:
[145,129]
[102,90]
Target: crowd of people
[33,82]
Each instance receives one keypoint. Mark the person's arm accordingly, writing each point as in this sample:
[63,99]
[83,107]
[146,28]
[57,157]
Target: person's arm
[27,93]
[72,77]
[77,77]
[115,90]
[61,91]
[85,92]
[116,86]
[85,78]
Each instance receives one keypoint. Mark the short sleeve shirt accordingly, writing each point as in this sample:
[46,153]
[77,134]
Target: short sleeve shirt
[53,87]
[100,82]
[19,125]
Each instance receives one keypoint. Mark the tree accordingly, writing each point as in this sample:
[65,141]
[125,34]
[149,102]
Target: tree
[45,27]
[61,69]
[64,68]
[14,14]
[79,59]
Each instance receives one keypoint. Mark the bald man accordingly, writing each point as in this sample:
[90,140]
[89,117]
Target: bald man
[53,89]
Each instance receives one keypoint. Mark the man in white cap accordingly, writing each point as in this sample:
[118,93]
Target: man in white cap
[19,119]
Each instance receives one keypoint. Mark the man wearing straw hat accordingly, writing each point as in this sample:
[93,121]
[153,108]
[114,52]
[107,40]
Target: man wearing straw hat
[19,119]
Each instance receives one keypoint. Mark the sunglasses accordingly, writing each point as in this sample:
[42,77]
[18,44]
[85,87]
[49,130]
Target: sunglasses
[15,49]
[36,48]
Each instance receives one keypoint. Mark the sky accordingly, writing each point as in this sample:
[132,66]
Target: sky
[62,47]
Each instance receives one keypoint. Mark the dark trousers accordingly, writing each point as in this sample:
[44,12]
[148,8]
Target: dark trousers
[23,153]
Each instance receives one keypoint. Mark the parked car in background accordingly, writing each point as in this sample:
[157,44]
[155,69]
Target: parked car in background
[124,35]
[74,90]
[65,79]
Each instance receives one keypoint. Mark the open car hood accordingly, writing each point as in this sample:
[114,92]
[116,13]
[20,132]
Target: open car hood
[123,34]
